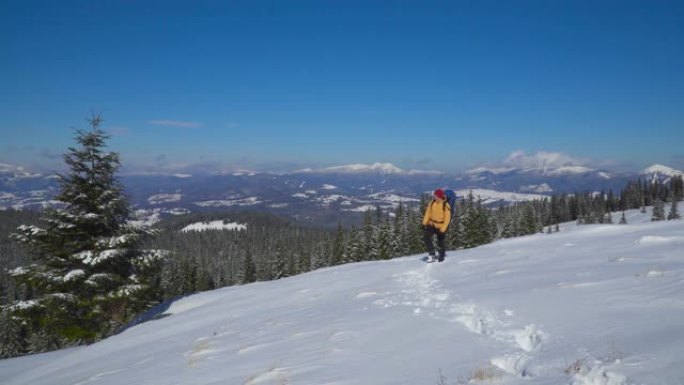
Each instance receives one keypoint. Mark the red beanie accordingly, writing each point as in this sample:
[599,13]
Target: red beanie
[439,193]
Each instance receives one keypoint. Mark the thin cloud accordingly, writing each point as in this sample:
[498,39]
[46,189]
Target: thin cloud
[176,123]
[542,159]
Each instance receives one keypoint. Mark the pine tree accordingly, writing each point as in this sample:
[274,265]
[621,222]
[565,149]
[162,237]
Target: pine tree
[476,224]
[249,269]
[384,246]
[338,256]
[12,342]
[623,219]
[674,213]
[368,236]
[658,210]
[608,218]
[87,270]
[528,221]
[354,245]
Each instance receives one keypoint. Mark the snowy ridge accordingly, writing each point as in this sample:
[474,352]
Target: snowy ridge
[662,170]
[357,168]
[214,225]
[589,305]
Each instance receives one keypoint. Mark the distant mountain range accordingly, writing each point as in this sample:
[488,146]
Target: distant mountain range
[327,195]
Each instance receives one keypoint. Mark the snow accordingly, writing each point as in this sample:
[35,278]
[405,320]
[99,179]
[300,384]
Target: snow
[90,258]
[537,188]
[362,209]
[7,196]
[589,305]
[660,169]
[392,198]
[164,198]
[386,168]
[492,196]
[250,201]
[147,218]
[214,225]
[492,170]
[569,170]
[73,274]
[113,242]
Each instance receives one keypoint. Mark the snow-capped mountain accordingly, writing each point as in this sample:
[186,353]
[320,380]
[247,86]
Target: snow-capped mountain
[589,305]
[545,180]
[316,196]
[377,168]
[558,168]
[660,173]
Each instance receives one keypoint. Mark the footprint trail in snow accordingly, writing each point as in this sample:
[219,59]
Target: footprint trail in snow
[423,294]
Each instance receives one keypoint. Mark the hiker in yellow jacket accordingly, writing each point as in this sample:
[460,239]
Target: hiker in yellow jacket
[436,222]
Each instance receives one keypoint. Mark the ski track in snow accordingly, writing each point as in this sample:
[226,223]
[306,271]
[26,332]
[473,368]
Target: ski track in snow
[521,345]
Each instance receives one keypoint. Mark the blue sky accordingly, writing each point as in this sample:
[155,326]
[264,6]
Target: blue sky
[281,85]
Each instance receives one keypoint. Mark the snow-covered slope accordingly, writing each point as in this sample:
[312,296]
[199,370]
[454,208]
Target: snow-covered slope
[595,304]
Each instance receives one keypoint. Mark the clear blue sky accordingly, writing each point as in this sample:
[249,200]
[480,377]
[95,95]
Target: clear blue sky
[277,85]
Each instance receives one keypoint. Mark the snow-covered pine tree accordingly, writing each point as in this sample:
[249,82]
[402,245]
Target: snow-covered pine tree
[384,240]
[658,210]
[12,341]
[623,219]
[674,212]
[354,249]
[87,271]
[608,218]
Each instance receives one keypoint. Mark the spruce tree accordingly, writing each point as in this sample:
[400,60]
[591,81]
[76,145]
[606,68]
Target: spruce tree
[338,256]
[674,213]
[12,342]
[248,269]
[87,272]
[658,210]
[623,219]
[384,241]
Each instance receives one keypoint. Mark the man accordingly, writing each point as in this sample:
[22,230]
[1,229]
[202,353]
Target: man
[436,222]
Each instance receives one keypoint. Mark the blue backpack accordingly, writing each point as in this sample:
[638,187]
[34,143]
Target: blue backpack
[451,199]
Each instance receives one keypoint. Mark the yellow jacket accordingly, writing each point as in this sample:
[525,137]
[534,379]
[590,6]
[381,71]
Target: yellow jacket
[437,215]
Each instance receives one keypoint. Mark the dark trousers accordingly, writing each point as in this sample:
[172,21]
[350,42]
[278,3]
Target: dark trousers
[427,238]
